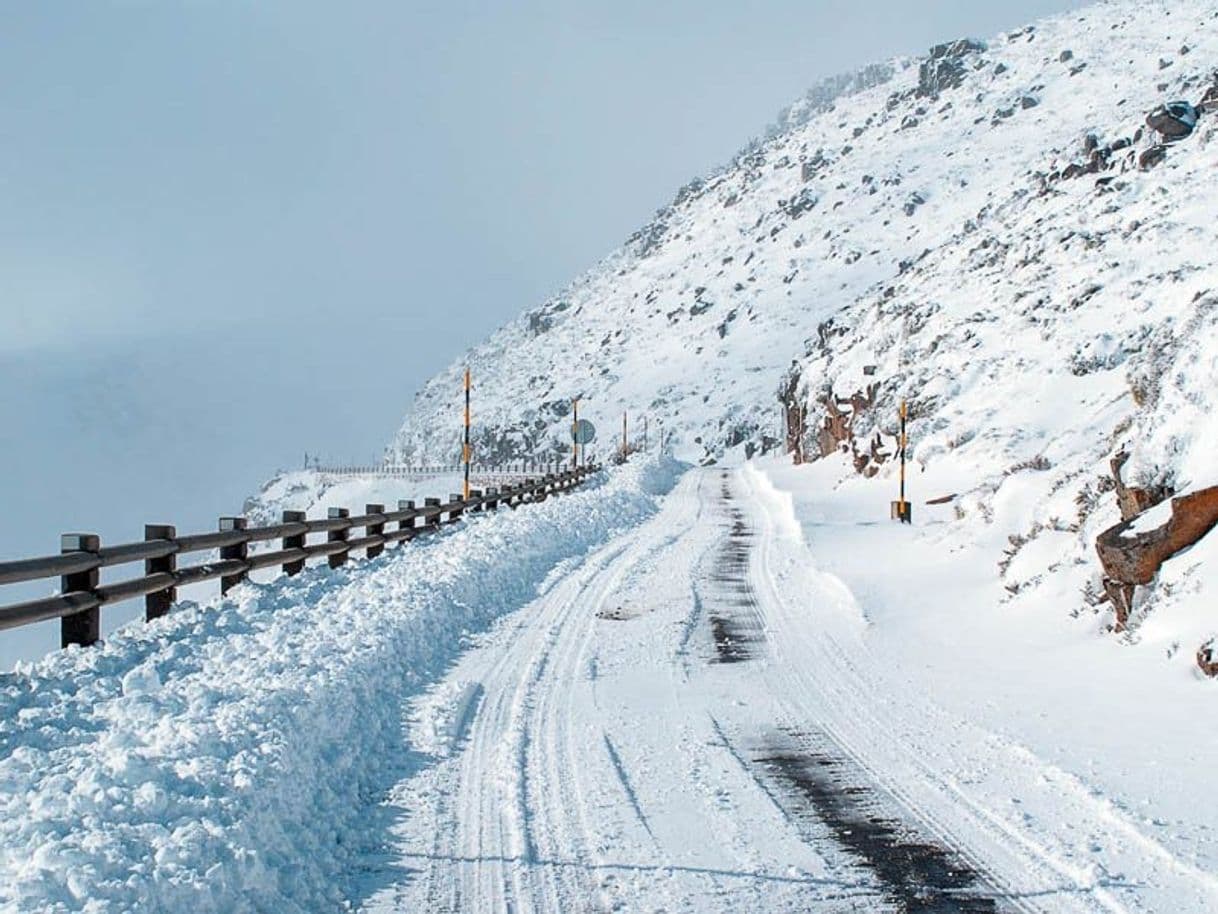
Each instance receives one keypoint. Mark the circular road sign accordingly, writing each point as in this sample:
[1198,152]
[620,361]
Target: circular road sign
[583,431]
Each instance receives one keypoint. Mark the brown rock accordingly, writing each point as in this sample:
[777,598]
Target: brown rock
[796,412]
[1133,500]
[1207,660]
[1152,157]
[1134,559]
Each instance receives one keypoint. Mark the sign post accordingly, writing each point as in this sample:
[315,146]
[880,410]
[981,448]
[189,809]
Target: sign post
[901,509]
[466,450]
[575,433]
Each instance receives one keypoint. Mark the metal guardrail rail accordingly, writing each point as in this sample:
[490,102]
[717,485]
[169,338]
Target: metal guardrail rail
[82,556]
[519,468]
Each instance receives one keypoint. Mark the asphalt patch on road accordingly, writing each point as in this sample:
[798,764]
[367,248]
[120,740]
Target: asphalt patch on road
[816,783]
[730,603]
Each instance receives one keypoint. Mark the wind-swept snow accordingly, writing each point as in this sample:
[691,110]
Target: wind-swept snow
[218,760]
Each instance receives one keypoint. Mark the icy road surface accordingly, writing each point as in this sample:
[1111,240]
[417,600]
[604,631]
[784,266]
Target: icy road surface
[691,720]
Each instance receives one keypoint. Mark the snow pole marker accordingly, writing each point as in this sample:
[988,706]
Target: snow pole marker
[625,445]
[575,433]
[902,510]
[466,451]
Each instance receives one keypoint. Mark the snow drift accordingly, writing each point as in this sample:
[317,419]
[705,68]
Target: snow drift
[217,759]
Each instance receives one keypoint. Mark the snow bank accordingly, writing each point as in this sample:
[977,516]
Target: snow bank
[313,492]
[217,760]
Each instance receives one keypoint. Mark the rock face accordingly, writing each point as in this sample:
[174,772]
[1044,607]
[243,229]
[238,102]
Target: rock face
[837,429]
[945,68]
[1134,558]
[795,414]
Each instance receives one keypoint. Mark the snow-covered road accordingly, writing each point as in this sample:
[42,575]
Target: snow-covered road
[617,700]
[690,719]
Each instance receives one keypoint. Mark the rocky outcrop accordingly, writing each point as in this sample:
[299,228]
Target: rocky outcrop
[837,429]
[945,69]
[795,413]
[1132,558]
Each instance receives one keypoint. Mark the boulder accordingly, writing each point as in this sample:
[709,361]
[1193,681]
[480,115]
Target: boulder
[1173,121]
[1132,558]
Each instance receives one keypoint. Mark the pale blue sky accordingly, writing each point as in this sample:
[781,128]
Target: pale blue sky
[232,232]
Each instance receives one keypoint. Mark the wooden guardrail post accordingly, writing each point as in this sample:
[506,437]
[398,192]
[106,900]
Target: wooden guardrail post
[338,536]
[406,504]
[453,515]
[236,551]
[83,628]
[157,604]
[477,493]
[294,542]
[434,519]
[374,529]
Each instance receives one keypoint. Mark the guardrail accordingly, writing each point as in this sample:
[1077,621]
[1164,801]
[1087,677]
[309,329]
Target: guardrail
[515,468]
[78,566]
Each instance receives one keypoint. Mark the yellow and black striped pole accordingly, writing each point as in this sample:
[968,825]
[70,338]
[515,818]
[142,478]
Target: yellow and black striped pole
[904,412]
[466,451]
[575,433]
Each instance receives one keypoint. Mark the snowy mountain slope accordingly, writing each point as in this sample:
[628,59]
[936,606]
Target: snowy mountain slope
[695,318]
[974,232]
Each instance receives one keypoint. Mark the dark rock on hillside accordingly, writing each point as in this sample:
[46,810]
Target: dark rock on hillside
[1152,157]
[945,68]
[803,202]
[1207,659]
[539,322]
[1173,121]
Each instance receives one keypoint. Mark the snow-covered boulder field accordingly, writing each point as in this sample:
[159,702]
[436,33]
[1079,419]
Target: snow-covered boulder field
[218,759]
[1016,235]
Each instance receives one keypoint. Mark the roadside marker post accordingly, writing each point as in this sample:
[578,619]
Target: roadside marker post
[466,450]
[575,434]
[902,510]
